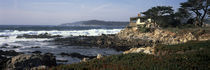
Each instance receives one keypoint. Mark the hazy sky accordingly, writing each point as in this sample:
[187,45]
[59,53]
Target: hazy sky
[54,12]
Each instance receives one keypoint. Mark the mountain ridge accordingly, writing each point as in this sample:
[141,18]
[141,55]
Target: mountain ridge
[96,23]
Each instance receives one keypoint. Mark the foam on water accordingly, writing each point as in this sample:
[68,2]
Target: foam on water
[26,44]
[90,32]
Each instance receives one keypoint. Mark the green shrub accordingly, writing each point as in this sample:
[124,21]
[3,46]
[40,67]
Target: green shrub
[195,56]
[144,29]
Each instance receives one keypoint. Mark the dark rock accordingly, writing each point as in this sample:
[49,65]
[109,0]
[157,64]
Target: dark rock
[62,60]
[3,36]
[103,41]
[77,55]
[5,56]
[9,53]
[16,46]
[37,52]
[5,45]
[46,35]
[26,62]
[35,47]
[3,60]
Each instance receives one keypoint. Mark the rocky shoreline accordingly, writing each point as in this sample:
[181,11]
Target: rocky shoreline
[103,41]
[127,40]
[45,35]
[11,60]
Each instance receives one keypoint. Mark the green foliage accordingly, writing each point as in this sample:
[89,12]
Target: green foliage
[189,46]
[198,7]
[155,12]
[195,56]
[158,11]
[182,13]
[162,15]
[144,29]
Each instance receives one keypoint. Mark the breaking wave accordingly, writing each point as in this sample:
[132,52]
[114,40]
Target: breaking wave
[90,32]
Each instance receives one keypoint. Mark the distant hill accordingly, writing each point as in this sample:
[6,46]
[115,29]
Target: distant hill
[96,23]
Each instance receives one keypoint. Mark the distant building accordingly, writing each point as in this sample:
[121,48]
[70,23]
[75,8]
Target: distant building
[139,21]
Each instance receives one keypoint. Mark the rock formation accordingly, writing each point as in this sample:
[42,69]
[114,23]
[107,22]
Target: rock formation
[163,36]
[26,62]
[99,56]
[146,50]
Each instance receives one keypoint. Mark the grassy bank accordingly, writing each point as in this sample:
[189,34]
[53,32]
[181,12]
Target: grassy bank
[192,55]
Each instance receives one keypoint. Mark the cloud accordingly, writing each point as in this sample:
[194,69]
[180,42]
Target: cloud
[101,7]
[51,3]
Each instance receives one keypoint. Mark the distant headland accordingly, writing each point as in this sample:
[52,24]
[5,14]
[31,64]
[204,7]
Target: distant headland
[96,23]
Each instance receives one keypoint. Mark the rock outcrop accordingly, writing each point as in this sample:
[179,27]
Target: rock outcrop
[46,35]
[146,50]
[77,55]
[26,62]
[104,41]
[5,56]
[164,36]
[99,56]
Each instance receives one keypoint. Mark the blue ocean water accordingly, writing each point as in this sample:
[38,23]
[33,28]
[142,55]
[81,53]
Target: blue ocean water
[8,40]
[52,27]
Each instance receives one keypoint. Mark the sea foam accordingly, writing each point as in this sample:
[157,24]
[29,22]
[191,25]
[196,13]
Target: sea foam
[90,32]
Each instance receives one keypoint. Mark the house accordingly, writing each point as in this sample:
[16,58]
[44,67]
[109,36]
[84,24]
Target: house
[139,21]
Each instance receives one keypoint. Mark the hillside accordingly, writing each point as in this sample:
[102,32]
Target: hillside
[96,23]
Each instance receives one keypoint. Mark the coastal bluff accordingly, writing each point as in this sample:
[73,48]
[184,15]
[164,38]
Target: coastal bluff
[165,36]
[147,30]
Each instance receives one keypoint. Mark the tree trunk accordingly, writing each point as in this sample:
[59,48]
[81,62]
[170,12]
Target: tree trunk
[205,9]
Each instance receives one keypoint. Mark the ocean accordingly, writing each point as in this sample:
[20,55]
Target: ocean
[8,40]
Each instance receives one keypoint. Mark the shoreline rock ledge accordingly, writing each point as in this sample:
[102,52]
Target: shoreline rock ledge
[146,50]
[27,62]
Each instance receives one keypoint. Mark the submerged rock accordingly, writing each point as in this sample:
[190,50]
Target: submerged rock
[36,47]
[46,35]
[62,60]
[26,62]
[37,52]
[3,36]
[3,47]
[16,47]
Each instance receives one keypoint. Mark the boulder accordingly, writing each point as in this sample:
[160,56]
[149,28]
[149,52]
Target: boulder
[84,60]
[2,61]
[99,56]
[146,50]
[5,56]
[9,53]
[25,62]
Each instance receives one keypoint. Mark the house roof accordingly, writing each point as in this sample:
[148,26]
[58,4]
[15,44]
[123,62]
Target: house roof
[135,18]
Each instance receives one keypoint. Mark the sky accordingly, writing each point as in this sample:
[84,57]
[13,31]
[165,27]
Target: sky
[55,12]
